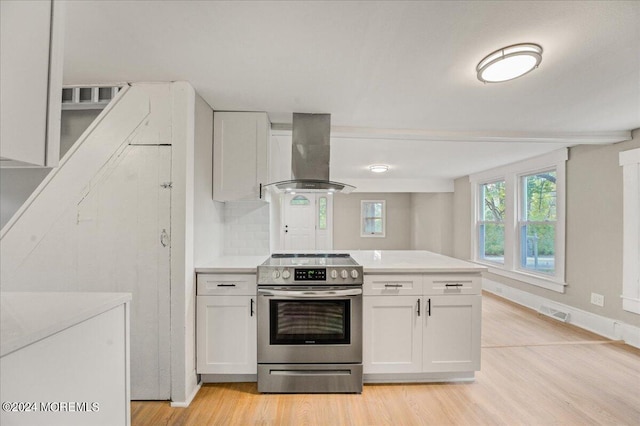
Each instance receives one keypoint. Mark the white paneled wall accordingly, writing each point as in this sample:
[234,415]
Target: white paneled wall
[246,228]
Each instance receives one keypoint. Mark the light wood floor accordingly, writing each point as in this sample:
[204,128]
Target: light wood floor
[535,371]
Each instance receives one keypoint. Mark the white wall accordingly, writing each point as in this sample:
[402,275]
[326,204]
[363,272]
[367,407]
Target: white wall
[246,228]
[73,123]
[183,374]
[208,214]
[275,217]
[462,218]
[17,184]
[432,222]
[346,222]
[415,221]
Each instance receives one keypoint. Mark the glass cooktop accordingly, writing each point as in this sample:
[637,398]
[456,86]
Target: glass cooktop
[310,259]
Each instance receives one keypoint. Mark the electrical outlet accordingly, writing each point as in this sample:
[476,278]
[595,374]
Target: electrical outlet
[597,299]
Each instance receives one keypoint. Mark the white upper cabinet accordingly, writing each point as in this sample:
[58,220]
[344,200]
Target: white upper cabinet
[280,166]
[31,41]
[240,155]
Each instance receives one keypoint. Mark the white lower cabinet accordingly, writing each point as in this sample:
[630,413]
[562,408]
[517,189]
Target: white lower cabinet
[226,335]
[451,339]
[421,334]
[392,335]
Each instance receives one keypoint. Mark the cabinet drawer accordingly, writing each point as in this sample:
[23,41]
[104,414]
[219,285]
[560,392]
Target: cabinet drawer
[392,285]
[452,284]
[226,284]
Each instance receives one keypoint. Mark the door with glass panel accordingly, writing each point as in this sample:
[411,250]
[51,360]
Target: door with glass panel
[307,222]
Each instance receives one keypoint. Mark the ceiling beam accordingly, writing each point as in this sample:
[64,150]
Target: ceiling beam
[565,138]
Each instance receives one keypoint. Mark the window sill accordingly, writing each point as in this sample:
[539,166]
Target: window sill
[538,281]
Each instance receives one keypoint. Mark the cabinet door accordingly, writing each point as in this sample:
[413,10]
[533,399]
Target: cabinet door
[452,333]
[30,81]
[392,335]
[240,155]
[226,336]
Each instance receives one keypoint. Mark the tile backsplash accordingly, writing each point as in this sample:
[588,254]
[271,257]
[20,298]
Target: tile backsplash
[246,228]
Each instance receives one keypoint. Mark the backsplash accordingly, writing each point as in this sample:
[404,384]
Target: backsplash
[246,228]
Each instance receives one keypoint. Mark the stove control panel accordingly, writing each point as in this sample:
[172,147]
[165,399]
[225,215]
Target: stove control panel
[294,275]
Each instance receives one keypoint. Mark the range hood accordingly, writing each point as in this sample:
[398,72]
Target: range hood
[310,155]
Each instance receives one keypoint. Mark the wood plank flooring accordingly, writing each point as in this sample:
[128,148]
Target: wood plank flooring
[535,371]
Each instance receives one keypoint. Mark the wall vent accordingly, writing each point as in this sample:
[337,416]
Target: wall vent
[88,97]
[554,313]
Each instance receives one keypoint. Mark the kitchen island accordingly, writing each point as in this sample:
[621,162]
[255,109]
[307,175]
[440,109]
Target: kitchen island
[421,316]
[64,358]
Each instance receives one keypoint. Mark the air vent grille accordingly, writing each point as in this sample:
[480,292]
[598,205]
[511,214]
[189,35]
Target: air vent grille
[554,313]
[88,97]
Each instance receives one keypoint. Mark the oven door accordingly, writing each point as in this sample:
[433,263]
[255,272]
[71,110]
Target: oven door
[309,325]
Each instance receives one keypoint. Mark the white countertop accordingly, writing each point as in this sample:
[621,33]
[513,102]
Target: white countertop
[26,317]
[232,265]
[373,261]
[411,261]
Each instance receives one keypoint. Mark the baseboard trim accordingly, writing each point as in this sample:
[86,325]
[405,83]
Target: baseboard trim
[458,377]
[185,404]
[603,326]
[228,378]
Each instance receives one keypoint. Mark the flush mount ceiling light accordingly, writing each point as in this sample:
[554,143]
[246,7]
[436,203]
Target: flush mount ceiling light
[509,62]
[379,168]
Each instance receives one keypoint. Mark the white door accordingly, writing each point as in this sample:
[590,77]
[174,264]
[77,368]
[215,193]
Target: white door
[124,245]
[227,335]
[392,335]
[452,333]
[307,222]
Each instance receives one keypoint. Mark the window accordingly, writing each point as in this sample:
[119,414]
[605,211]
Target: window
[519,220]
[372,218]
[322,213]
[491,223]
[537,222]
[299,200]
[630,162]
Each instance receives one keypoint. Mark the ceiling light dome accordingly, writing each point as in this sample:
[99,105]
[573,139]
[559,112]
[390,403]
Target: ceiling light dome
[379,168]
[509,62]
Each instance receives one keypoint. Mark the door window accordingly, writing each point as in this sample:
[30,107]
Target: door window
[299,200]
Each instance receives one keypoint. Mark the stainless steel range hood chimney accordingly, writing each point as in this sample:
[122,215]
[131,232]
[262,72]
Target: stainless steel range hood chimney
[310,156]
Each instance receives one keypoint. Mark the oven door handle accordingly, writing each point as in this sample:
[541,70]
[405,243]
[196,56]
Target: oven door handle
[326,294]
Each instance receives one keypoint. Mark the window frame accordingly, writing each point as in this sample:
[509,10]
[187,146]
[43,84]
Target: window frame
[479,222]
[365,234]
[300,197]
[319,212]
[630,163]
[521,199]
[512,175]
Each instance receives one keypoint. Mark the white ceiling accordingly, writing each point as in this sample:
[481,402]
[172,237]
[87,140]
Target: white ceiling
[407,66]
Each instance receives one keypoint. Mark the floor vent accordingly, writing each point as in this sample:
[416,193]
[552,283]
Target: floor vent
[554,313]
